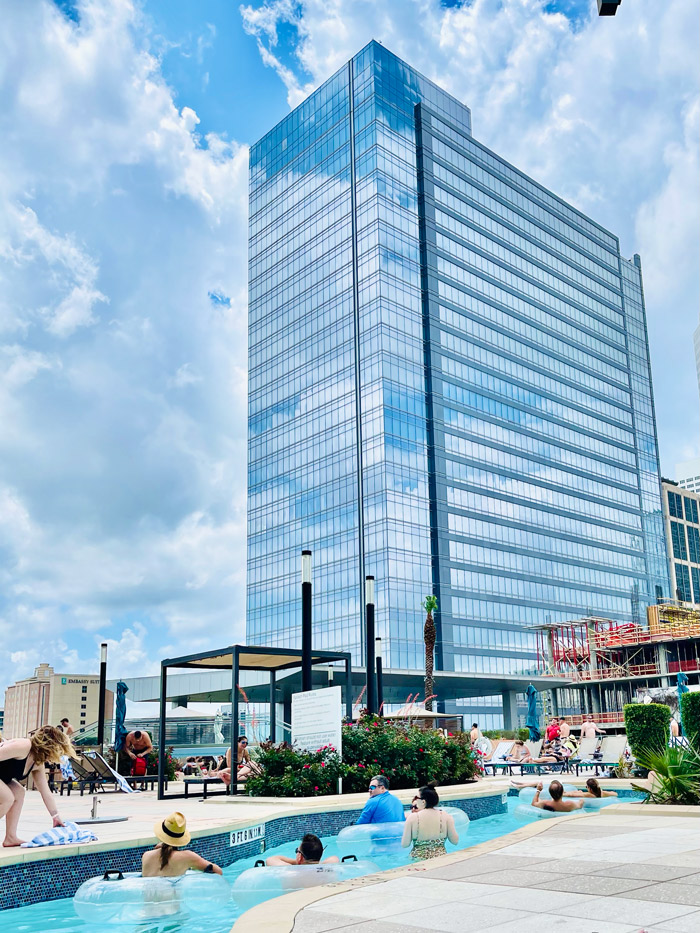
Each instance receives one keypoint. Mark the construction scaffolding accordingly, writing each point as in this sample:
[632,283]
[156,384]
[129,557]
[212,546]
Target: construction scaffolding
[611,663]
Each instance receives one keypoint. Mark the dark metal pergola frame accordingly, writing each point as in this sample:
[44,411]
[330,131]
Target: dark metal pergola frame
[284,659]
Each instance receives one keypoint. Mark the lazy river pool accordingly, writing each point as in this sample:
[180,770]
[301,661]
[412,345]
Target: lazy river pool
[59,916]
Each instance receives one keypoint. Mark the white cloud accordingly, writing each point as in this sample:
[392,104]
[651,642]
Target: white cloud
[122,497]
[603,111]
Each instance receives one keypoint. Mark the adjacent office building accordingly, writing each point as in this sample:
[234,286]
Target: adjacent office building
[48,697]
[688,474]
[449,387]
[681,509]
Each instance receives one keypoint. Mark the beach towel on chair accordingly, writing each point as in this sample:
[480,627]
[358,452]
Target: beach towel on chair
[60,836]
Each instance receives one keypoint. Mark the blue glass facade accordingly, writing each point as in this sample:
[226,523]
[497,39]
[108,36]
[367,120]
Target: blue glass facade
[449,386]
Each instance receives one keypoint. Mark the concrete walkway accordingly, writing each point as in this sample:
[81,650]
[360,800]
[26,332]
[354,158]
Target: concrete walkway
[606,873]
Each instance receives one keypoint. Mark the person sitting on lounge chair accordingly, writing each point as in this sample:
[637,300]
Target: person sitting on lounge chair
[518,752]
[551,754]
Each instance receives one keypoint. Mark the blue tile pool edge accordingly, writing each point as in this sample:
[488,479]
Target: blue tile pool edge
[26,883]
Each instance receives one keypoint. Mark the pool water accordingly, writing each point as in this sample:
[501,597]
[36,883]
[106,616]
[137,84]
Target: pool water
[60,917]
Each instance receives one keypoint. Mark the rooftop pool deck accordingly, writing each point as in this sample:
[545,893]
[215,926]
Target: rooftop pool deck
[225,830]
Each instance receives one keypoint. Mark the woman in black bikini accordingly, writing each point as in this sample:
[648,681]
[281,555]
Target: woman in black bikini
[18,759]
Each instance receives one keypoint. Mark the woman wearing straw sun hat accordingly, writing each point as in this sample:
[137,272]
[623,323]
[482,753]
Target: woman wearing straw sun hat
[169,858]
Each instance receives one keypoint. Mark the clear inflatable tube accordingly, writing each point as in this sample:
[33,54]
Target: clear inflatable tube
[256,885]
[526,812]
[127,897]
[461,819]
[597,803]
[371,838]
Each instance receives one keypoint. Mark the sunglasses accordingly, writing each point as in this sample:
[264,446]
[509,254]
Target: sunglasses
[244,741]
[374,786]
[414,807]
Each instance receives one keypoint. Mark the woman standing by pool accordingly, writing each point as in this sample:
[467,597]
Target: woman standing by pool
[427,827]
[18,759]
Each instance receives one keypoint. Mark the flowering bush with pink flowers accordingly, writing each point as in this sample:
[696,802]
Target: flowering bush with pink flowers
[287,772]
[407,755]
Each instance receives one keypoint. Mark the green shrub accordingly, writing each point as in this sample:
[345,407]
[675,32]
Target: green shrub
[677,774]
[170,763]
[690,716]
[647,726]
[407,755]
[290,773]
[506,734]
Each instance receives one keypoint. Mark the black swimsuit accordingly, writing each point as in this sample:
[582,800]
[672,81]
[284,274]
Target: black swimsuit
[12,769]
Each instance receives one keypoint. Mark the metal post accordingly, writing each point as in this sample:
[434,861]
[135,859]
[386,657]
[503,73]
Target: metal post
[369,646]
[102,698]
[348,689]
[306,620]
[273,707]
[233,786]
[161,730]
[380,684]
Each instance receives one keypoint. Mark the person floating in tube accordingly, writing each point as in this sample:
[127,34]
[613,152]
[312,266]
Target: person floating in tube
[556,804]
[382,807]
[309,852]
[170,859]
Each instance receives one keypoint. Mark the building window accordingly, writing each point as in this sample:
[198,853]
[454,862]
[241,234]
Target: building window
[691,510]
[678,540]
[693,545]
[84,689]
[83,706]
[683,583]
[695,575]
[675,505]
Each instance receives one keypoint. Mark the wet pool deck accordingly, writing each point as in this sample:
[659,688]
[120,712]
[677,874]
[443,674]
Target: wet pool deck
[624,870]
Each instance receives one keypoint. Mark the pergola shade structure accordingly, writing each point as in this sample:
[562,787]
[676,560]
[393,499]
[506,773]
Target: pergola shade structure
[237,658]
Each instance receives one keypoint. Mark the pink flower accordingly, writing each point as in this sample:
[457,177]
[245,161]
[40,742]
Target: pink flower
[323,764]
[420,749]
[307,766]
[316,787]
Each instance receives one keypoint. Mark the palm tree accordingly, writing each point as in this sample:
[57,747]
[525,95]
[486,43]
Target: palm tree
[429,636]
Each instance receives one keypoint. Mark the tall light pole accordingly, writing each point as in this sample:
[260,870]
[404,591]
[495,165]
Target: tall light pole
[306,620]
[380,684]
[102,697]
[369,647]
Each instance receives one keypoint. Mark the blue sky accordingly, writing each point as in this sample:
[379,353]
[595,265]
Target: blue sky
[123,212]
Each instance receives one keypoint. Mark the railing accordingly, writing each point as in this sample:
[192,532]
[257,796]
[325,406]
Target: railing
[188,733]
[612,716]
[609,673]
[625,637]
[675,666]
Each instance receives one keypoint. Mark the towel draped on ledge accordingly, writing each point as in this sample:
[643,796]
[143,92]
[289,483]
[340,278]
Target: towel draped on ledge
[60,836]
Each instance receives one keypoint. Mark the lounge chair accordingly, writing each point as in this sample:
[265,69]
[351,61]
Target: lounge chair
[584,756]
[535,749]
[612,748]
[498,757]
[85,776]
[104,770]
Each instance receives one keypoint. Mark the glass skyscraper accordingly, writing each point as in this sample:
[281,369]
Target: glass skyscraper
[449,387]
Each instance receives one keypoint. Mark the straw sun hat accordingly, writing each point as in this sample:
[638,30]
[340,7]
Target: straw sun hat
[173,830]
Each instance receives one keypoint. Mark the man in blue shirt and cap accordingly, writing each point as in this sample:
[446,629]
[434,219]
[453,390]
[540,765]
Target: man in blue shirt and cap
[382,807]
